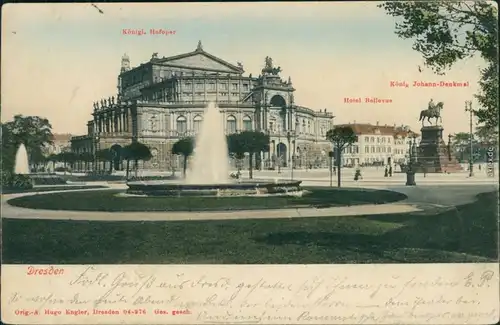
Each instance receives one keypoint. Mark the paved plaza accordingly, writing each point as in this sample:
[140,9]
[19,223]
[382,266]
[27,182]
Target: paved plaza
[435,191]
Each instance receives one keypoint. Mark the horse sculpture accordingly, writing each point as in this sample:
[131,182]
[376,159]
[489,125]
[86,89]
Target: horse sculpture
[432,112]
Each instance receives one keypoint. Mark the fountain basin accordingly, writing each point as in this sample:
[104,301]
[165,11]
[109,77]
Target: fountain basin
[247,188]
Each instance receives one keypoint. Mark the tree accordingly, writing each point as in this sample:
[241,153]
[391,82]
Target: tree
[116,151]
[251,142]
[67,157]
[53,158]
[236,149]
[136,151]
[446,32]
[461,143]
[86,157]
[184,147]
[341,137]
[105,155]
[485,136]
[33,131]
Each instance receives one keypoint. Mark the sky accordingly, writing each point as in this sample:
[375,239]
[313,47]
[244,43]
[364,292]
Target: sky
[57,59]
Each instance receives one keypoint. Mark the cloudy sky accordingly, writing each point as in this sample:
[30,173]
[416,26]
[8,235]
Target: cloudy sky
[57,59]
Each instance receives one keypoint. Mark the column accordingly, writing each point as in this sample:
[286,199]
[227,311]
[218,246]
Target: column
[261,118]
[217,88]
[180,87]
[192,92]
[229,88]
[139,124]
[120,120]
[205,87]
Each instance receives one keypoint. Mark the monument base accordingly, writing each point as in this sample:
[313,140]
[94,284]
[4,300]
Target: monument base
[434,155]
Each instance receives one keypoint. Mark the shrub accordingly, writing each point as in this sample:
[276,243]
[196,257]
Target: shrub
[13,181]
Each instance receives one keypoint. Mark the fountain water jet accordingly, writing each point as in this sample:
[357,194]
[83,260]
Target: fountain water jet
[22,165]
[210,158]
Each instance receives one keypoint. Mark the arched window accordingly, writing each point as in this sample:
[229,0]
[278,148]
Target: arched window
[197,123]
[247,123]
[181,124]
[231,124]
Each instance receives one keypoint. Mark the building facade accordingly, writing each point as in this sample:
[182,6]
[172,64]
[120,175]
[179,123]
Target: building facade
[379,145]
[163,100]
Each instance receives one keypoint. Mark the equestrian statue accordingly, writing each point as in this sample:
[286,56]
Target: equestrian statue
[433,111]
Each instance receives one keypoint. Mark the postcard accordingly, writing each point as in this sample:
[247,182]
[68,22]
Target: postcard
[250,163]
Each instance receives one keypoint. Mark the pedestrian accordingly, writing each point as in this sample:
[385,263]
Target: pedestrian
[390,171]
[357,174]
[386,172]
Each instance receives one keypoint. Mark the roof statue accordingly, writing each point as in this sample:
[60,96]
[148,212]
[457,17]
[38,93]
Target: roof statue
[154,56]
[289,80]
[240,65]
[269,68]
[199,47]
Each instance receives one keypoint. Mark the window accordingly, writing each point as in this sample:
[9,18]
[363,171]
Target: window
[197,123]
[231,124]
[378,149]
[245,87]
[373,149]
[235,86]
[199,86]
[211,86]
[247,123]
[367,149]
[309,127]
[181,124]
[389,149]
[367,139]
[188,85]
[388,140]
[372,139]
[223,86]
[378,140]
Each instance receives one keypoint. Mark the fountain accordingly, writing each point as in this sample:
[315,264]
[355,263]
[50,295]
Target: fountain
[209,172]
[210,158]
[22,166]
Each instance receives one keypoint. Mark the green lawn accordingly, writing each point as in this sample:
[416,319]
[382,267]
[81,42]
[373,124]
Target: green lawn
[51,188]
[109,201]
[465,234]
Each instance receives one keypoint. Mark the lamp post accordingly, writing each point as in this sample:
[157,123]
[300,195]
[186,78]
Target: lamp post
[410,173]
[96,149]
[468,108]
[289,137]
[449,146]
[330,156]
[278,156]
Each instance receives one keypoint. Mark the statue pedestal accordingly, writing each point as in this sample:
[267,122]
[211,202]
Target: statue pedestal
[433,154]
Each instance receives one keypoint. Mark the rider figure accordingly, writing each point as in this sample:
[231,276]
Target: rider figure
[431,104]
